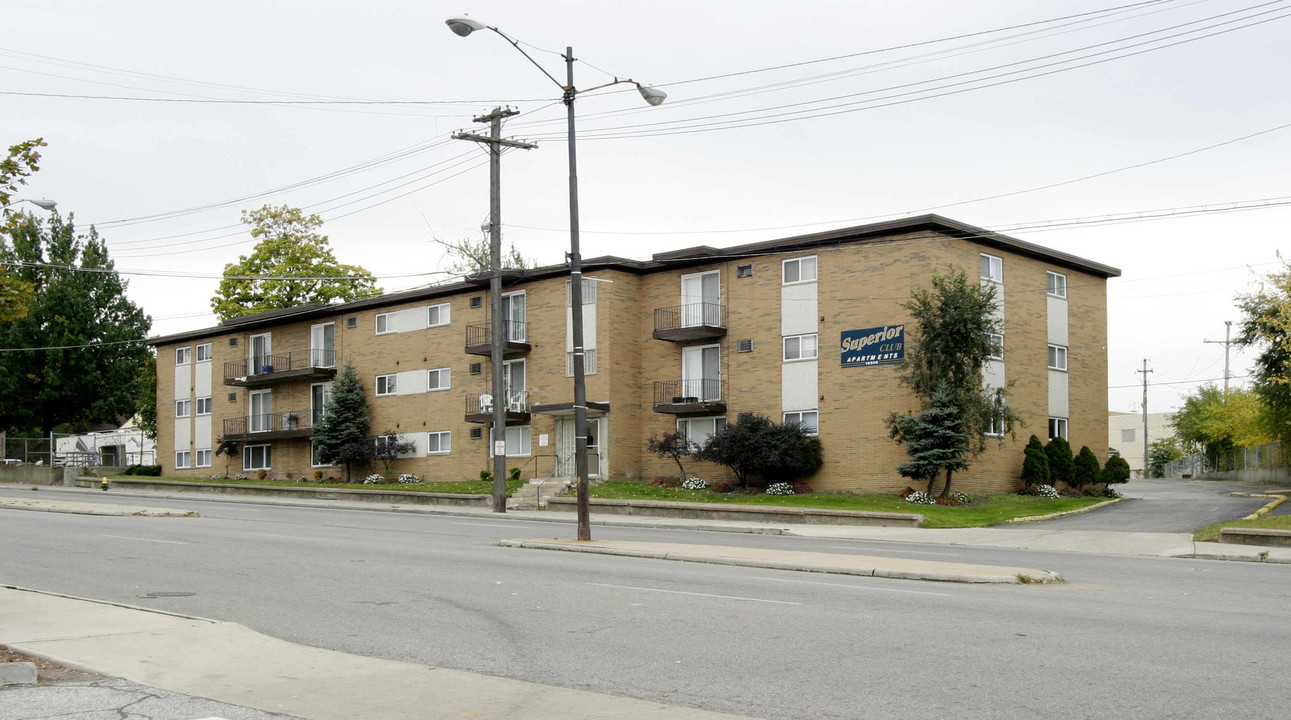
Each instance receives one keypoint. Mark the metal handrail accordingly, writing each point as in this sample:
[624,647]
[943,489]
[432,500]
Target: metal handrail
[280,362]
[269,422]
[678,392]
[482,333]
[700,314]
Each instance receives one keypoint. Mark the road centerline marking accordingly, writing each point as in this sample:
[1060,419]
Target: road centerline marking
[697,594]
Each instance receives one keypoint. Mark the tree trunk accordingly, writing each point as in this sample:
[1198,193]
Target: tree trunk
[945,492]
[931,482]
[682,470]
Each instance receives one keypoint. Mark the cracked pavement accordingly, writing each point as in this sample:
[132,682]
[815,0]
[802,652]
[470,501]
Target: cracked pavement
[116,699]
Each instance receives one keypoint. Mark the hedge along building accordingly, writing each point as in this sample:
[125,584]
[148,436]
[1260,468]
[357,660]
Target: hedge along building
[806,329]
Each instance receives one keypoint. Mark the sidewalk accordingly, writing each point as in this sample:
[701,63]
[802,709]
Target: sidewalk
[229,663]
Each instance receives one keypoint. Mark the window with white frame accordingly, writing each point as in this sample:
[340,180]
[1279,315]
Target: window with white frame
[203,458]
[799,270]
[386,385]
[589,293]
[204,352]
[1129,435]
[808,419]
[698,430]
[386,323]
[1057,357]
[997,346]
[183,356]
[438,443]
[995,426]
[314,460]
[992,268]
[1057,428]
[183,408]
[255,457]
[183,459]
[1057,283]
[437,315]
[589,362]
[801,347]
[439,379]
[519,440]
[203,406]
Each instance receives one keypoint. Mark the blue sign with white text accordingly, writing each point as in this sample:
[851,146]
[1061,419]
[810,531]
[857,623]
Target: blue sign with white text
[873,346]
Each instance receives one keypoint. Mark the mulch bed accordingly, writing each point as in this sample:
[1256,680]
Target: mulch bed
[47,673]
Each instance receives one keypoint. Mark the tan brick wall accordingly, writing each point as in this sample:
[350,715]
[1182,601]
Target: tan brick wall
[859,285]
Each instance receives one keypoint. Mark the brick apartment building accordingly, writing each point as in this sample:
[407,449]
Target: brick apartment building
[804,329]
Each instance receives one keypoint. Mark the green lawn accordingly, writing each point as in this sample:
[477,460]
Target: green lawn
[983,510]
[1210,533]
[471,487]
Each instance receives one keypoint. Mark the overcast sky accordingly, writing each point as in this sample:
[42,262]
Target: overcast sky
[877,110]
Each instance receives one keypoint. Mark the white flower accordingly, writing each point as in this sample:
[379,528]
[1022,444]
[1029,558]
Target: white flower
[780,488]
[694,483]
[1047,491]
[919,497]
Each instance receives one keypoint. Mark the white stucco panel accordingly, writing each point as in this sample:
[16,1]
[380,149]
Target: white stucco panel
[1059,405]
[202,379]
[993,374]
[183,381]
[183,434]
[798,390]
[202,433]
[589,327]
[1058,321]
[798,311]
[411,319]
[411,382]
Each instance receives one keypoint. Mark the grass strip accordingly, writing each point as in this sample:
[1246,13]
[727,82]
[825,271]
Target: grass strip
[469,487]
[1210,533]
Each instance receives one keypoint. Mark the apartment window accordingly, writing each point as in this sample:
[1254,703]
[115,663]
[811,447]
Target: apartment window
[314,459]
[1057,284]
[1128,435]
[698,430]
[1057,357]
[385,385]
[808,419]
[799,270]
[204,352]
[203,458]
[385,323]
[203,406]
[183,408]
[992,268]
[437,315]
[997,346]
[183,459]
[255,457]
[438,443]
[995,426]
[382,442]
[1058,428]
[519,440]
[589,293]
[439,379]
[589,362]
[800,347]
[183,356]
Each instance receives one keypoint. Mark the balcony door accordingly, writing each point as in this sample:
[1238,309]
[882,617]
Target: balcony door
[261,348]
[322,346]
[261,411]
[701,373]
[319,395]
[701,298]
[513,382]
[513,315]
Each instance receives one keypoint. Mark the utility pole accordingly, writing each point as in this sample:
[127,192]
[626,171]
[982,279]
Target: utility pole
[497,345]
[1227,343]
[1145,372]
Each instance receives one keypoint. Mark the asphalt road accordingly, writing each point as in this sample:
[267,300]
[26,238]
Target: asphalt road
[1165,506]
[1125,637]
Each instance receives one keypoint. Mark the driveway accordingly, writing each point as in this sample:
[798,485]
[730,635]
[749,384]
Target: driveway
[1165,506]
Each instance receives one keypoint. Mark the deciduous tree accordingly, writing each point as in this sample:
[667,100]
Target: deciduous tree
[1216,424]
[21,161]
[671,445]
[755,446]
[1267,327]
[472,257]
[1161,453]
[291,265]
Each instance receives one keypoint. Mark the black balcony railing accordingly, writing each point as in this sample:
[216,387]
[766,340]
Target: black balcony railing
[479,406]
[691,321]
[297,363]
[292,423]
[690,392]
[479,338]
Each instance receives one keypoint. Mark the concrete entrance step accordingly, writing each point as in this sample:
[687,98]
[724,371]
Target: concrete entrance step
[534,494]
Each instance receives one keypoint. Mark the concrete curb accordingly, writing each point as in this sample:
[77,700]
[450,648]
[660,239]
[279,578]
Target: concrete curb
[74,508]
[829,563]
[1050,516]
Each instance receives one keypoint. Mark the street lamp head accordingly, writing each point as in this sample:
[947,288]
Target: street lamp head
[464,26]
[44,203]
[653,96]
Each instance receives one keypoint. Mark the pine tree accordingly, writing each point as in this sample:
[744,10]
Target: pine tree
[1061,465]
[1087,470]
[342,435]
[1116,471]
[1035,464]
[935,439]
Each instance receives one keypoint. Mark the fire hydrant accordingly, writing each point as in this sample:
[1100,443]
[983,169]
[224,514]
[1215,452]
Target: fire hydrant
[104,485]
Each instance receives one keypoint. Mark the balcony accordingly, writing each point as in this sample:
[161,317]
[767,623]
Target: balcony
[269,369]
[690,397]
[479,339]
[479,407]
[694,321]
[270,426]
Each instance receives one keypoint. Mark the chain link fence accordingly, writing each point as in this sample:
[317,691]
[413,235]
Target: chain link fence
[1262,460]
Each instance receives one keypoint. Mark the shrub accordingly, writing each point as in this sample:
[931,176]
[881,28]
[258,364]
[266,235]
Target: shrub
[1109,492]
[694,484]
[486,476]
[1035,463]
[261,474]
[1088,471]
[780,488]
[318,476]
[671,445]
[919,497]
[666,482]
[374,479]
[129,470]
[960,498]
[513,473]
[754,445]
[1072,492]
[215,477]
[1061,465]
[723,487]
[802,489]
[389,446]
[1047,491]
[241,476]
[408,478]
[1116,471]
[146,470]
[906,493]
[302,479]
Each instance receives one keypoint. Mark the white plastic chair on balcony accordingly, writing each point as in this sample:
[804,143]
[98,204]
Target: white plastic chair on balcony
[516,402]
[486,403]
